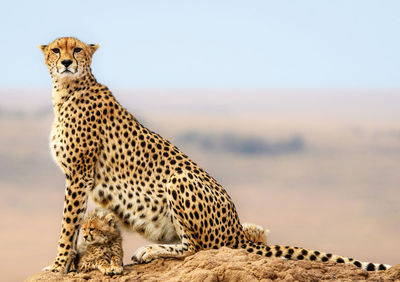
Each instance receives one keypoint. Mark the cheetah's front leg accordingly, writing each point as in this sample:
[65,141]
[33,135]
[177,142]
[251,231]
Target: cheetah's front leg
[74,210]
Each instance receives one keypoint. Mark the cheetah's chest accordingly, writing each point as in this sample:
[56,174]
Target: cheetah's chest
[57,143]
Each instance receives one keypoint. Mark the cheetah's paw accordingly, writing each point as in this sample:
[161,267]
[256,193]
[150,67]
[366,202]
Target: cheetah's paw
[55,268]
[144,254]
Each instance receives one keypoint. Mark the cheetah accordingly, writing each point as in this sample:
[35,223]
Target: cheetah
[102,244]
[152,187]
[255,233]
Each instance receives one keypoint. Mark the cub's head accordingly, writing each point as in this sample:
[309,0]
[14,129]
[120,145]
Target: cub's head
[100,227]
[68,58]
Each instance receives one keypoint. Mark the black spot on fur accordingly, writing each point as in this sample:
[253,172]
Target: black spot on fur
[382,267]
[370,267]
[340,260]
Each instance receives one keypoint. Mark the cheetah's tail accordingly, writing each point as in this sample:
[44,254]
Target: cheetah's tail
[295,253]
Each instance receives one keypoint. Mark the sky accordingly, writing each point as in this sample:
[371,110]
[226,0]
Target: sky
[211,44]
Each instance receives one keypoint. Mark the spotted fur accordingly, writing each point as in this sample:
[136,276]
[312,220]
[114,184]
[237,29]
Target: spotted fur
[101,247]
[153,188]
[255,233]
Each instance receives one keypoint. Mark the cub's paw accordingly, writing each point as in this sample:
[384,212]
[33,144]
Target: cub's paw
[144,254]
[117,269]
[105,269]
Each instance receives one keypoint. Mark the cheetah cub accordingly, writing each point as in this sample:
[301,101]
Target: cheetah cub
[101,247]
[255,233]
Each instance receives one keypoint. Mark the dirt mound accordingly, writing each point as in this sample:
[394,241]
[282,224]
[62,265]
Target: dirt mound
[230,265]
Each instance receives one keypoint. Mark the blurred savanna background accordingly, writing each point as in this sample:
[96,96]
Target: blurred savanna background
[293,106]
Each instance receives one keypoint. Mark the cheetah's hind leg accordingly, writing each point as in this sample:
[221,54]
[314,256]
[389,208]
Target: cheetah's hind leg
[154,251]
[256,233]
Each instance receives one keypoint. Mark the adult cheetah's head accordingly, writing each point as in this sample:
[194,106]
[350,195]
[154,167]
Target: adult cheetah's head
[68,58]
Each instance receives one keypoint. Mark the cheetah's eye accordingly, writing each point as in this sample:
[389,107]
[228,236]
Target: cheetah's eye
[55,50]
[77,50]
[91,229]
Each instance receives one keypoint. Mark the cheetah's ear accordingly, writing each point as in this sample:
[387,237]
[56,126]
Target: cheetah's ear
[93,48]
[43,48]
[111,219]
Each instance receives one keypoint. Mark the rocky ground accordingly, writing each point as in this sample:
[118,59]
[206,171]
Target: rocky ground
[230,265]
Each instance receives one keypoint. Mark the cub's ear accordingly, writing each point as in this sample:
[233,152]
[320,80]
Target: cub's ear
[93,48]
[43,48]
[111,219]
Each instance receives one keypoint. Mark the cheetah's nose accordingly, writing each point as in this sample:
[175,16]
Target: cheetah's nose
[85,236]
[66,63]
